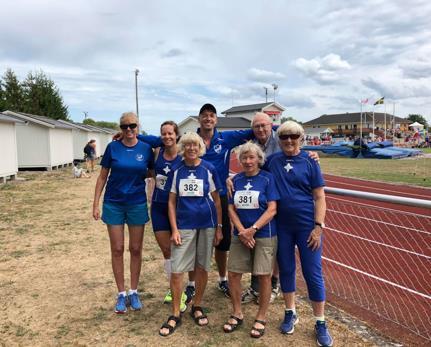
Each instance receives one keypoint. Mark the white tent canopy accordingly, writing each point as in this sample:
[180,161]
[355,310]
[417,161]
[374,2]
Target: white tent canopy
[416,125]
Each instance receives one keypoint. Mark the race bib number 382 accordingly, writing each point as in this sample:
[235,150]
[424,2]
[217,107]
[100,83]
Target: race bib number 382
[191,187]
[246,199]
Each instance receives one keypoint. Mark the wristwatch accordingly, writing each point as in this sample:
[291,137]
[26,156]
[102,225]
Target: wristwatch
[220,225]
[255,227]
[322,225]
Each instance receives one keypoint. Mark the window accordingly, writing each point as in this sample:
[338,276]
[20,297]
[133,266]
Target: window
[346,127]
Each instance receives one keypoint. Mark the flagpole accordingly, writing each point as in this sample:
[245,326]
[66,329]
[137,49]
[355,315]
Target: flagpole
[393,122]
[360,130]
[373,123]
[384,136]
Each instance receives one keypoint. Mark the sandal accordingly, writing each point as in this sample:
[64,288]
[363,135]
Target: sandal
[171,328]
[260,331]
[198,318]
[232,326]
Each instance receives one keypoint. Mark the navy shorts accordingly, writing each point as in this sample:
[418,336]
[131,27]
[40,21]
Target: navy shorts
[159,216]
[120,214]
[224,244]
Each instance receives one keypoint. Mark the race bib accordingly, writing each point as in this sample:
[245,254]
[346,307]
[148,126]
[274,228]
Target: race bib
[246,199]
[191,187]
[161,181]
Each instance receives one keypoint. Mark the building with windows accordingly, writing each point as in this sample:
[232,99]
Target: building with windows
[247,111]
[349,124]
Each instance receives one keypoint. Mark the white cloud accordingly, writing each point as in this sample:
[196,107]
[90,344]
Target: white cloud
[323,70]
[259,75]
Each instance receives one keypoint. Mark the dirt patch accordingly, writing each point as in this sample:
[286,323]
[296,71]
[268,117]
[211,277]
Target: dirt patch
[58,289]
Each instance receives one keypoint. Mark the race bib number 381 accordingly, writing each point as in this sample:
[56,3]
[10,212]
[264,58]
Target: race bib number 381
[191,187]
[246,199]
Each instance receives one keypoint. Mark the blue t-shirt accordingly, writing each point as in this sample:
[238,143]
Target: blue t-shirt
[218,152]
[193,186]
[162,169]
[295,178]
[250,199]
[128,165]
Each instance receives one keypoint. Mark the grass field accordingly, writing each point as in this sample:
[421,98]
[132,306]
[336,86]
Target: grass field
[57,286]
[415,171]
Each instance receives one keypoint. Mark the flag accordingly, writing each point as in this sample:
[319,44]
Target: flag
[381,101]
[364,101]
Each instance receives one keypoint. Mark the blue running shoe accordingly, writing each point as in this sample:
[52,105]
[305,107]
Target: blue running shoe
[121,307]
[134,302]
[223,286]
[190,292]
[322,334]
[288,325]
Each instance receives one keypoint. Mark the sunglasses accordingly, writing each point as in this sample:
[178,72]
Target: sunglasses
[131,126]
[289,136]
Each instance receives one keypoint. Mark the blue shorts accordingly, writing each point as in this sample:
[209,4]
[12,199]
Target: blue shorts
[159,216]
[119,214]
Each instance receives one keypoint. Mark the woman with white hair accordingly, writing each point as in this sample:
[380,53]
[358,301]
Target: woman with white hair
[254,242]
[300,222]
[194,211]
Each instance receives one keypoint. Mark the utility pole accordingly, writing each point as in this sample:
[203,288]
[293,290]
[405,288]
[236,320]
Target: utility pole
[275,87]
[266,93]
[136,91]
[85,114]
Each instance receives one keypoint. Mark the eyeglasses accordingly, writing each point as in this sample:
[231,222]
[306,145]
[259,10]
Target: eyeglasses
[258,126]
[131,126]
[289,136]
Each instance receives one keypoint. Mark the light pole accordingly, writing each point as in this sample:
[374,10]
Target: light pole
[85,114]
[136,91]
[266,93]
[275,86]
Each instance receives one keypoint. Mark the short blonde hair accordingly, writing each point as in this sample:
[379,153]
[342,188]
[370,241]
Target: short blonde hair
[129,115]
[251,147]
[290,127]
[191,138]
[263,115]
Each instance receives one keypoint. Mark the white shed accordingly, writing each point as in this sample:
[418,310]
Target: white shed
[8,148]
[97,134]
[42,142]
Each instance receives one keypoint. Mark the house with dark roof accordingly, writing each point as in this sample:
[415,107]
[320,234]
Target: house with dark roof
[347,124]
[191,123]
[272,109]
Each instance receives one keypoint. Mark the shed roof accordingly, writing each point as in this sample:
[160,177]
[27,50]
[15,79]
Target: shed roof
[228,122]
[252,107]
[353,118]
[41,120]
[7,119]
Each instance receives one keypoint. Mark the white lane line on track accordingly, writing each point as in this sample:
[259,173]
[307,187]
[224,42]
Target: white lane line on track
[381,222]
[380,189]
[328,196]
[426,296]
[379,243]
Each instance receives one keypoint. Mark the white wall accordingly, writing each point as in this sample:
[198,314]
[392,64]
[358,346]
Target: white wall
[8,150]
[61,145]
[189,126]
[33,145]
[80,139]
[105,139]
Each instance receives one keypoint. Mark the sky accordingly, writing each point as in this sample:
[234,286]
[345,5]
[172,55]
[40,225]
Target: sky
[324,56]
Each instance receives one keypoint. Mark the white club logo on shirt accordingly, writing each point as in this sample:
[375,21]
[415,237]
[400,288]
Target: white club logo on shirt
[288,167]
[217,148]
[248,186]
[139,157]
[167,169]
[192,176]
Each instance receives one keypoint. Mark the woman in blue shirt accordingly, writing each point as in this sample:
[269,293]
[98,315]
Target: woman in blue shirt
[254,243]
[125,166]
[195,217]
[300,222]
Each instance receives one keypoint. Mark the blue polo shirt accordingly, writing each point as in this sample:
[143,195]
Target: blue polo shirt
[295,178]
[128,170]
[251,197]
[162,169]
[193,186]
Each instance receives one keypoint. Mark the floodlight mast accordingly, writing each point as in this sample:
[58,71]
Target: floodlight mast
[275,87]
[136,91]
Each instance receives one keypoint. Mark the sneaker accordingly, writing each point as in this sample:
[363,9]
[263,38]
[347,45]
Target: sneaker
[168,297]
[249,295]
[322,334]
[288,325]
[275,293]
[223,286]
[134,302]
[183,305]
[190,292]
[121,307]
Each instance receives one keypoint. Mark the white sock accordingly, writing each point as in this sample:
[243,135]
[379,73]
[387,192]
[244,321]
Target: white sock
[291,309]
[319,319]
[221,279]
[168,268]
[122,293]
[191,284]
[133,291]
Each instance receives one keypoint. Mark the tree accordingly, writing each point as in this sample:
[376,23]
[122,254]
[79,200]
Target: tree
[102,123]
[2,97]
[418,118]
[285,119]
[42,97]
[89,121]
[13,95]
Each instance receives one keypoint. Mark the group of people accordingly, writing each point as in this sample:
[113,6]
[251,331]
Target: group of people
[275,204]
